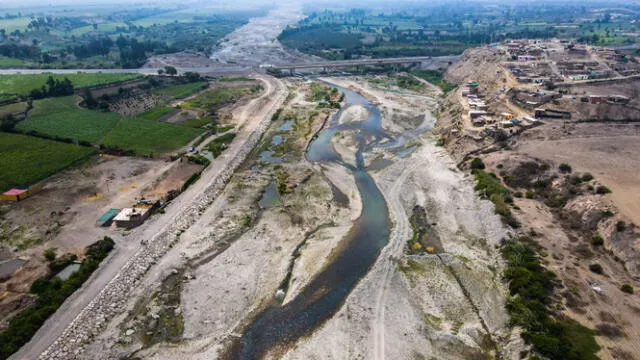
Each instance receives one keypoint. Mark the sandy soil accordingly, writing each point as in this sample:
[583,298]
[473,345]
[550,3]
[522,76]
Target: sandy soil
[256,43]
[354,113]
[607,151]
[250,116]
[612,159]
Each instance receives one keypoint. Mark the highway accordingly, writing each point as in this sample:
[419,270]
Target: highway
[239,69]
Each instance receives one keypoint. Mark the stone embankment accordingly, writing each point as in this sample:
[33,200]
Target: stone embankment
[112,299]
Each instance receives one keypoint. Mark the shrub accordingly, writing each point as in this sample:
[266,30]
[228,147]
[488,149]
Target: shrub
[50,254]
[51,294]
[627,288]
[607,213]
[586,177]
[477,164]
[597,241]
[596,268]
[602,190]
[565,168]
[529,194]
[531,286]
[517,194]
[621,226]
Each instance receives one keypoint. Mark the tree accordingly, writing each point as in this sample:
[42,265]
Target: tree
[192,76]
[170,70]
[50,254]
[160,71]
[477,164]
[565,168]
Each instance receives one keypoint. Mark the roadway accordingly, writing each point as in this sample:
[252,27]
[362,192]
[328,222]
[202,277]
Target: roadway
[222,69]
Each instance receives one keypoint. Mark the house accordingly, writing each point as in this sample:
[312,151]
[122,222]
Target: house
[526,58]
[15,195]
[506,116]
[476,113]
[478,121]
[131,217]
[579,77]
[618,99]
[20,194]
[107,218]
[506,124]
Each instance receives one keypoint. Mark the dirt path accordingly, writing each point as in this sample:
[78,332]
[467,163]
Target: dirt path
[127,247]
[399,234]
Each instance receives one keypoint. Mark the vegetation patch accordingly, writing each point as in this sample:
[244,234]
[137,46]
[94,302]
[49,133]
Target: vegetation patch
[221,143]
[182,90]
[218,97]
[424,238]
[51,293]
[22,84]
[60,118]
[435,77]
[25,160]
[531,286]
[156,112]
[149,138]
[491,188]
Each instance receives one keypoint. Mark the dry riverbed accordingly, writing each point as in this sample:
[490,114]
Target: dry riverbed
[281,220]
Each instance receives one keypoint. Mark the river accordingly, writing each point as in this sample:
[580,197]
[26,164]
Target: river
[324,295]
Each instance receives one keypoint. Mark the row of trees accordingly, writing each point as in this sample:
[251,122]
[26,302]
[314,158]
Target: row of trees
[53,88]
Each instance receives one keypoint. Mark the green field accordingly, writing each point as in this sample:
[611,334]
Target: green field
[25,160]
[11,25]
[7,62]
[155,112]
[182,90]
[13,108]
[60,117]
[22,84]
[147,137]
[216,97]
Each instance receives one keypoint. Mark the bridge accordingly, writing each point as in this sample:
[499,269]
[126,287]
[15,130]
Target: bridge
[235,69]
[350,63]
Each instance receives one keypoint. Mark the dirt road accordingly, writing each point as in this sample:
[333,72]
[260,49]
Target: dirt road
[127,246]
[399,235]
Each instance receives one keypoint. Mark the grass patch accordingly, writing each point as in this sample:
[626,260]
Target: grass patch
[219,144]
[61,118]
[13,108]
[197,123]
[22,84]
[182,90]
[156,112]
[216,98]
[25,160]
[436,78]
[531,287]
[7,62]
[51,293]
[149,138]
[491,188]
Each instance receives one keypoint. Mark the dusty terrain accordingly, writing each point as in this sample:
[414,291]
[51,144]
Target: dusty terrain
[256,43]
[565,226]
[238,252]
[128,245]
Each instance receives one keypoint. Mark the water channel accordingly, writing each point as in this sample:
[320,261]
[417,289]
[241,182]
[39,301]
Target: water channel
[324,295]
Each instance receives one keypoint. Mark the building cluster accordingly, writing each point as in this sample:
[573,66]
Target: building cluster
[525,50]
[532,98]
[129,218]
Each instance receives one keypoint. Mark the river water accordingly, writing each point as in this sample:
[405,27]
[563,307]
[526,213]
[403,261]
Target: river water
[325,294]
